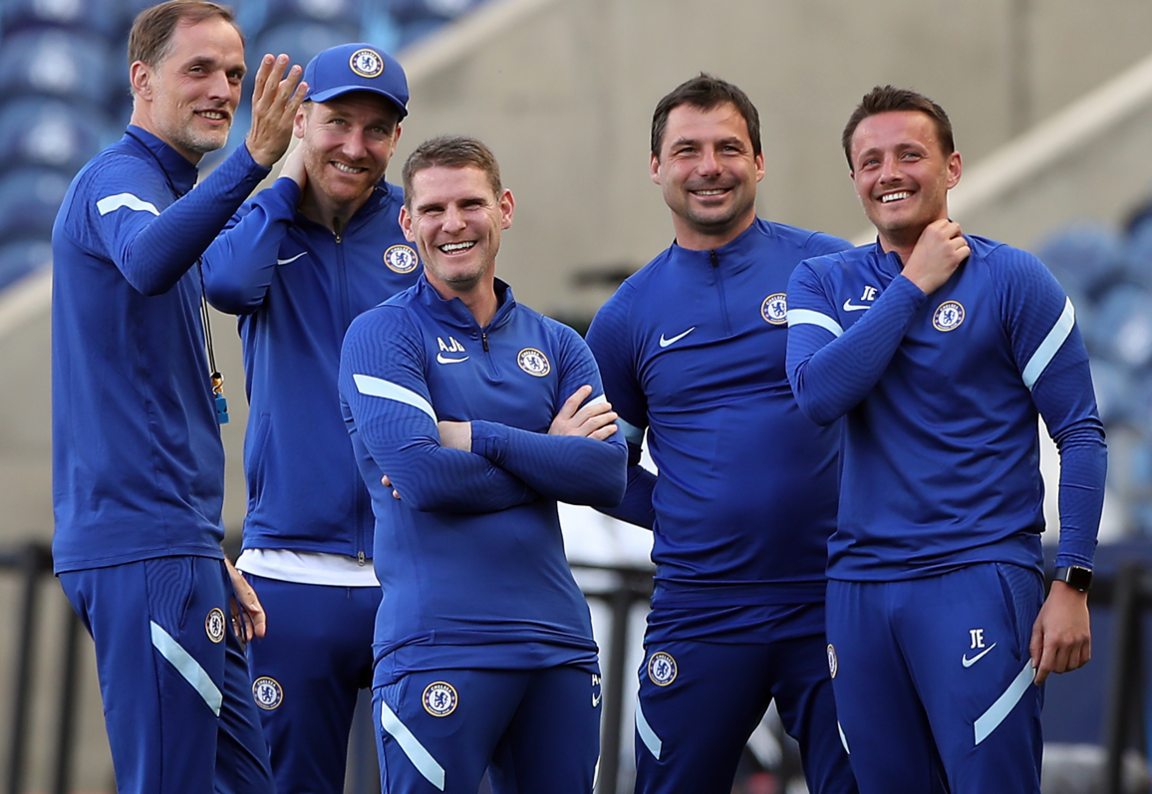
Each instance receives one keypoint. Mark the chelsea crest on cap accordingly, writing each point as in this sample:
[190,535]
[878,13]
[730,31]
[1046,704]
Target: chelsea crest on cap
[356,67]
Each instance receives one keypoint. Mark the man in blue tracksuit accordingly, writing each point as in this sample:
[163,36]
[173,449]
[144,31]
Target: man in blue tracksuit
[298,263]
[692,348]
[470,416]
[138,467]
[940,349]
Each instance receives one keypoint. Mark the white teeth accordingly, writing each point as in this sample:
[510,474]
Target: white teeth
[213,114]
[894,197]
[713,192]
[449,248]
[347,169]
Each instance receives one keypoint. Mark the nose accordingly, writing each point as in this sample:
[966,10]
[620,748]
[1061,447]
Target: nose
[220,87]
[354,148]
[890,170]
[709,162]
[453,219]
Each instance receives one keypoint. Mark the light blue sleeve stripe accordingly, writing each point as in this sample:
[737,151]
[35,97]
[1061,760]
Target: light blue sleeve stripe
[632,434]
[1050,346]
[113,203]
[809,317]
[1004,704]
[843,738]
[420,758]
[377,387]
[597,400]
[188,667]
[647,735]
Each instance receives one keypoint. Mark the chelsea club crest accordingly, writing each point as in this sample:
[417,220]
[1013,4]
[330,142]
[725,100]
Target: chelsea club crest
[774,309]
[533,362]
[214,624]
[267,693]
[401,259]
[366,63]
[440,698]
[662,668]
[948,316]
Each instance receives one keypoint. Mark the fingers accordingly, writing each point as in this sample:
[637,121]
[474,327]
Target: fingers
[573,403]
[276,96]
[387,483]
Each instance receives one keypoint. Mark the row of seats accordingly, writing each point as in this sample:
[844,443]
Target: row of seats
[1108,274]
[65,96]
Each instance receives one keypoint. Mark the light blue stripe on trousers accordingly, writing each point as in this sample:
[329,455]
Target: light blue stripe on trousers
[990,720]
[421,758]
[647,735]
[187,666]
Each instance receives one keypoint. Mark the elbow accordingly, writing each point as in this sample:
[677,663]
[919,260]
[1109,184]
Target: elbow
[228,298]
[815,411]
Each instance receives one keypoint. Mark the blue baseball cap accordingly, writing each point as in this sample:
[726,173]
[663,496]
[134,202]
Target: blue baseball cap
[356,67]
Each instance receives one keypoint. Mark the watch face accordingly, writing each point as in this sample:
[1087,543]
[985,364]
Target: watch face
[1076,576]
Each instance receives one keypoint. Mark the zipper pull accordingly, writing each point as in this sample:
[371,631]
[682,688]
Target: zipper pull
[360,558]
[484,339]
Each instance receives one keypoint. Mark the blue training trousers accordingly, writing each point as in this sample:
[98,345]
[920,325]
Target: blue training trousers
[933,681]
[177,707]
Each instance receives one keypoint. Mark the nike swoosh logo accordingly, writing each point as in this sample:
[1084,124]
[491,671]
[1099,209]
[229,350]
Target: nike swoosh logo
[596,696]
[293,259]
[440,357]
[964,660]
[849,306]
[665,342]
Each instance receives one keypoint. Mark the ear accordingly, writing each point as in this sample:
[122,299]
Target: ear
[654,168]
[507,208]
[140,77]
[406,224]
[300,123]
[759,166]
[955,168]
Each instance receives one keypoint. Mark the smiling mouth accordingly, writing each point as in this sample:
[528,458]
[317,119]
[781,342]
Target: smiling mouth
[888,198]
[709,192]
[213,115]
[452,248]
[347,169]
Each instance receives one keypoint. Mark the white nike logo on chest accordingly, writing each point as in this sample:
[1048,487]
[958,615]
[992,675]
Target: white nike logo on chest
[849,306]
[293,259]
[665,342]
[441,358]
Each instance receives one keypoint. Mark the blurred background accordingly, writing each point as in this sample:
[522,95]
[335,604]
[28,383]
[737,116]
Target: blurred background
[1052,106]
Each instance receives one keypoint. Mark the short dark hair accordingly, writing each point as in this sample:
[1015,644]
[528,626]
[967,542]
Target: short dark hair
[152,30]
[705,92]
[451,151]
[889,99]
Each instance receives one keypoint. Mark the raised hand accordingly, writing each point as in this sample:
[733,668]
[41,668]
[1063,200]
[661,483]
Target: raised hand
[275,100]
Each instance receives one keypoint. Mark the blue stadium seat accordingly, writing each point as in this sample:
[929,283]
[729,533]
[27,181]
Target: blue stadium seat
[29,199]
[1085,258]
[418,18]
[39,131]
[1121,330]
[301,41]
[101,16]
[20,258]
[1116,395]
[72,65]
[1140,250]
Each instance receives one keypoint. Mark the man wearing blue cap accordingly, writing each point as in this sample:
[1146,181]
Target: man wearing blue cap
[297,263]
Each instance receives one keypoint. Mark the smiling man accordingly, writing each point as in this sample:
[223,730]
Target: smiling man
[940,350]
[298,262]
[692,348]
[138,467]
[471,415]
